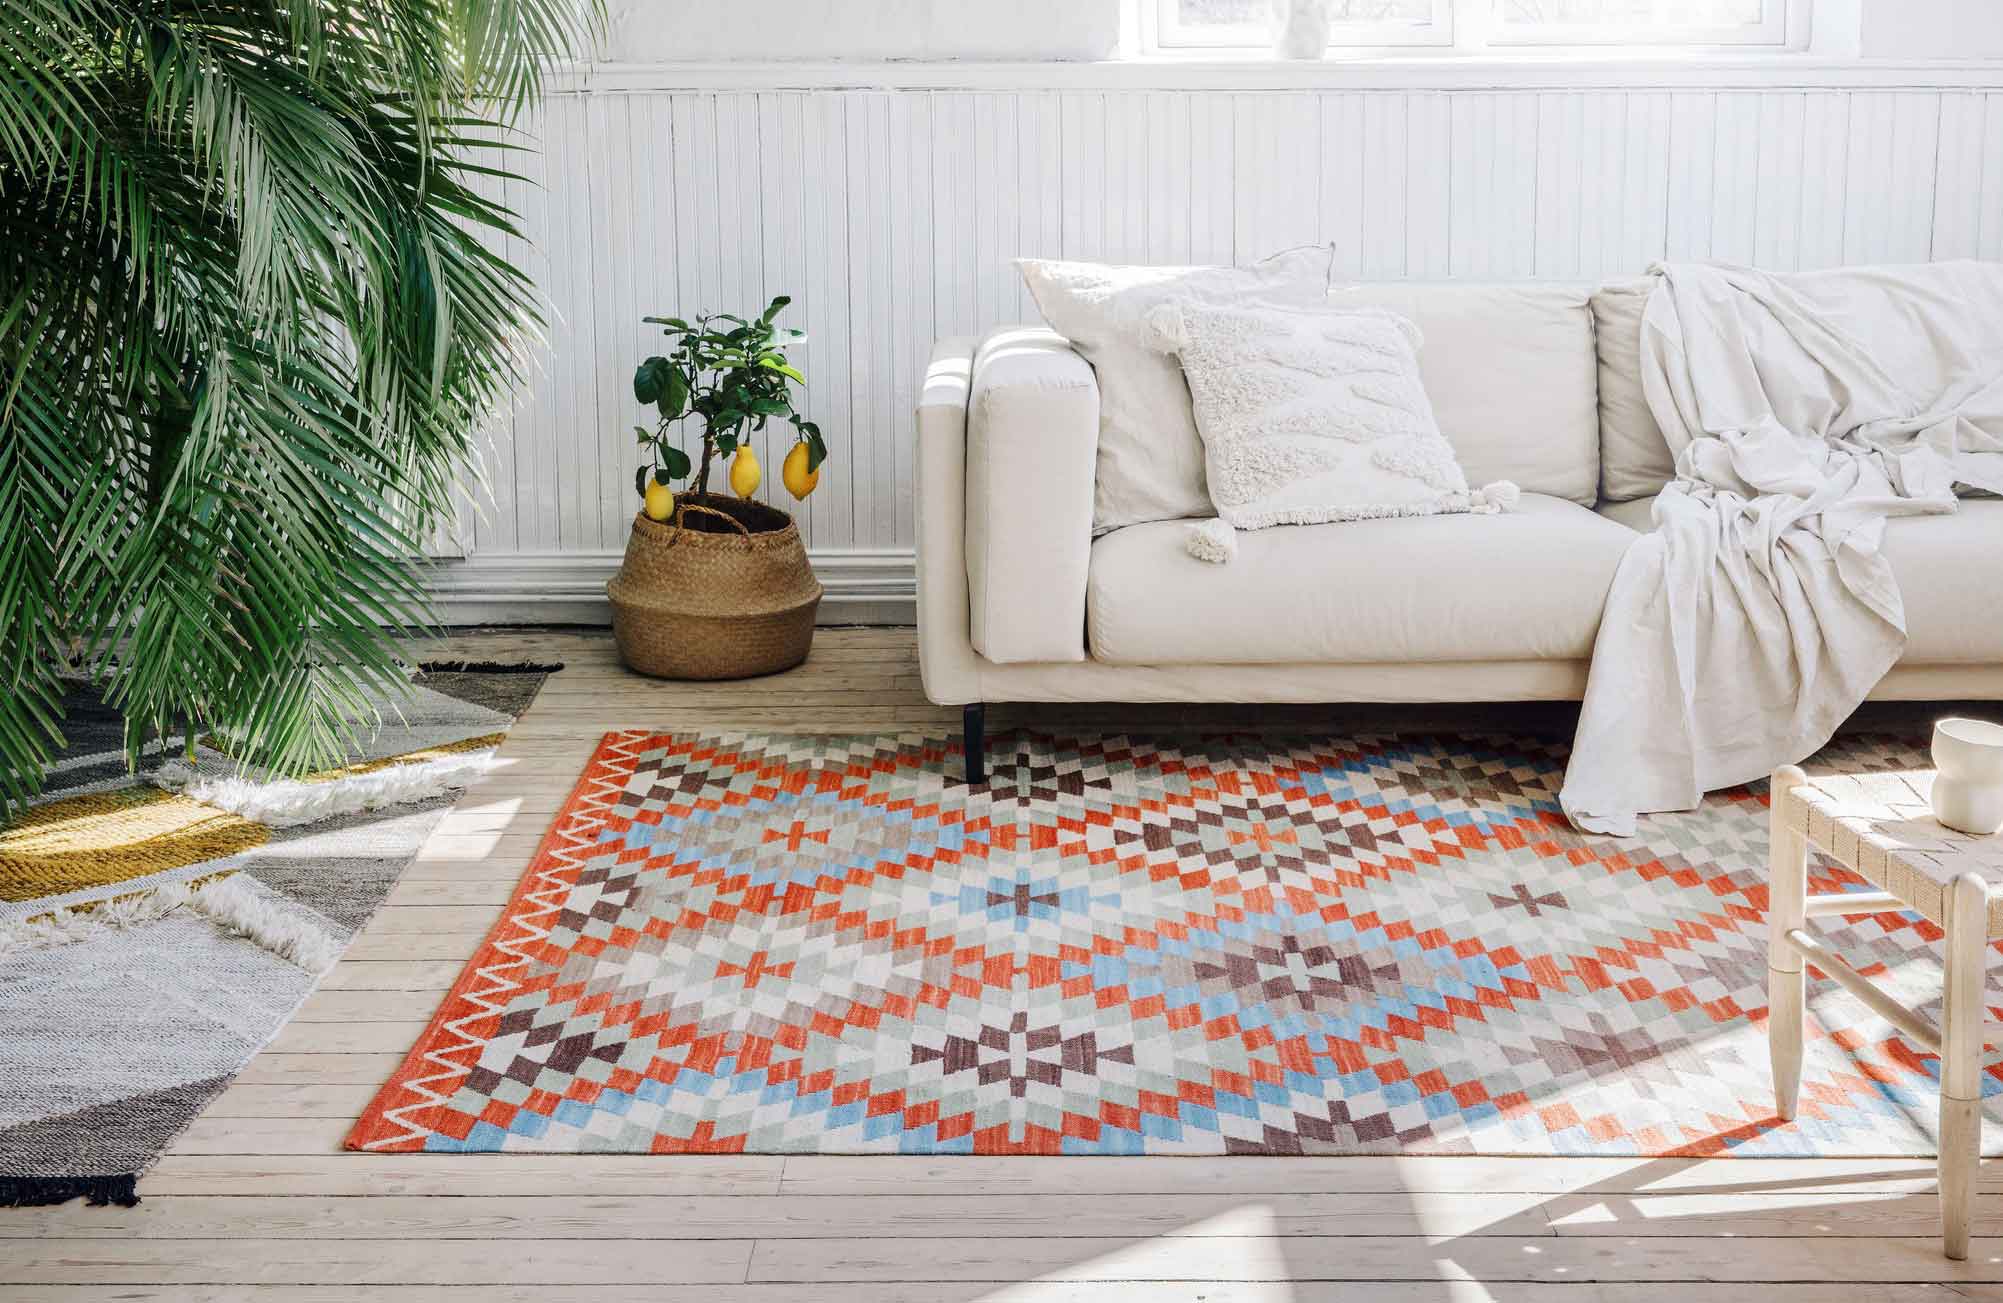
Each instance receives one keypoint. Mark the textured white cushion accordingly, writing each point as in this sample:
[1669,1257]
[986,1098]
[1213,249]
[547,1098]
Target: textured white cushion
[1511,374]
[1950,573]
[1635,461]
[1150,463]
[1527,584]
[1311,415]
[1032,422]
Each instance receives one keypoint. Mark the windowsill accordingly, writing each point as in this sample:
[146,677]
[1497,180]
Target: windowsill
[1256,71]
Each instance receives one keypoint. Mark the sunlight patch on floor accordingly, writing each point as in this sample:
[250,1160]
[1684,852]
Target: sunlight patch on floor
[1241,1244]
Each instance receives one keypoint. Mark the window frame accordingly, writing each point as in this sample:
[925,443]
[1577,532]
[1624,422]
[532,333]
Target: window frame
[1772,32]
[1164,32]
[1474,27]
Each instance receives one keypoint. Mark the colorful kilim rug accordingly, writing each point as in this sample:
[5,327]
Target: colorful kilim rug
[787,944]
[151,943]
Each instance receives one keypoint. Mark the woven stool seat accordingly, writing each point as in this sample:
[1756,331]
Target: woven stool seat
[1882,826]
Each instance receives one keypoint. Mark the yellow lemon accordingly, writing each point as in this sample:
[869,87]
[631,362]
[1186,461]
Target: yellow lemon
[799,480]
[660,501]
[744,472]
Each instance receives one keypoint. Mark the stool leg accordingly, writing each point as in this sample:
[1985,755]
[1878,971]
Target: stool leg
[1787,889]
[1961,1059]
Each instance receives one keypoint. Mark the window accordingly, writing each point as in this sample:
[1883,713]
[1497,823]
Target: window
[1637,22]
[1195,24]
[1478,25]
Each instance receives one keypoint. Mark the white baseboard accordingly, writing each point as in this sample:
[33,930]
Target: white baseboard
[878,587]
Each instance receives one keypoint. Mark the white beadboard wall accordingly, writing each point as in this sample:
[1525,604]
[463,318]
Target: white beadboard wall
[891,215]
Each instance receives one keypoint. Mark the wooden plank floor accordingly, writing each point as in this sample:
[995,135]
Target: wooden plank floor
[258,1201]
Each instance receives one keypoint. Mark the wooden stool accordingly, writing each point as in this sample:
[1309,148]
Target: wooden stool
[1881,826]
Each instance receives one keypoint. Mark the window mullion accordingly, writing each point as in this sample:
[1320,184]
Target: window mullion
[1470,20]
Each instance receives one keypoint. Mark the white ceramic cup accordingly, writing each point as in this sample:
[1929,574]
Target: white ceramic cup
[1968,782]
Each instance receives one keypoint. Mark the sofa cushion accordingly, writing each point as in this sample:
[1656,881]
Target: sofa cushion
[1635,460]
[1512,376]
[1950,573]
[1527,584]
[1636,513]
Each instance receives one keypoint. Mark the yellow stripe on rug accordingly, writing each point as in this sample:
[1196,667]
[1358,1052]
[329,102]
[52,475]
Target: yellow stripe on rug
[83,842]
[439,752]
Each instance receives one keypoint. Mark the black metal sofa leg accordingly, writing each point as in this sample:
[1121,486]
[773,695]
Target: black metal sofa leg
[975,719]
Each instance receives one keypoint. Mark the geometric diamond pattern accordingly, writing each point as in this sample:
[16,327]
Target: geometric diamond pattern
[805,944]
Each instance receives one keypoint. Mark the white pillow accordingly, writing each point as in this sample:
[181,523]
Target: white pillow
[1510,370]
[1310,415]
[1635,461]
[1150,455]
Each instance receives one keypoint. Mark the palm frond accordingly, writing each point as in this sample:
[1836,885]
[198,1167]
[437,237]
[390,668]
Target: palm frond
[249,322]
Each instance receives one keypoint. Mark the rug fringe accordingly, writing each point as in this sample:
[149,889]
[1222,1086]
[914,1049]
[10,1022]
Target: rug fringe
[288,803]
[234,904]
[82,922]
[43,1191]
[490,667]
[230,901]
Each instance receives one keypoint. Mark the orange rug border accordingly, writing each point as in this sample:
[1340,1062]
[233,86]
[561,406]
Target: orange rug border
[421,1076]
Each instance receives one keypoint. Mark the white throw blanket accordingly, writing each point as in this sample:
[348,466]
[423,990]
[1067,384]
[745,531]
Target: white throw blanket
[1804,411]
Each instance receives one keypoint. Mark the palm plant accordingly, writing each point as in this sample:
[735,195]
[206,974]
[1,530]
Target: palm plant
[248,327]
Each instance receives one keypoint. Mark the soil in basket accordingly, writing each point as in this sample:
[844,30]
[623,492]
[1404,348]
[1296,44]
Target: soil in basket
[754,516]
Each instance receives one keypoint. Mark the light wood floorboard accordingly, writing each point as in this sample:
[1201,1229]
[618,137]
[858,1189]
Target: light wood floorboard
[257,1201]
[1041,1292]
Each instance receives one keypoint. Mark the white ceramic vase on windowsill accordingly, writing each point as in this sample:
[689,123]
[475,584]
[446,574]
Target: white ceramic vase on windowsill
[1301,28]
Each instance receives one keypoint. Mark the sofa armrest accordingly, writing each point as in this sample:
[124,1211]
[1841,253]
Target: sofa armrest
[1008,435]
[1032,450]
[946,657]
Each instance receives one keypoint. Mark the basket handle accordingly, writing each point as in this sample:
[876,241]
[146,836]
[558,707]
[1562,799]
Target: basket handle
[681,507]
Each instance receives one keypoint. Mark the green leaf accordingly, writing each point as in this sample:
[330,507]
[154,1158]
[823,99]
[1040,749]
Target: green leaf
[642,434]
[817,451]
[674,396]
[726,444]
[675,464]
[648,378]
[640,481]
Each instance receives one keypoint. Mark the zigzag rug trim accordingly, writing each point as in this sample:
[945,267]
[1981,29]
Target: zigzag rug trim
[792,944]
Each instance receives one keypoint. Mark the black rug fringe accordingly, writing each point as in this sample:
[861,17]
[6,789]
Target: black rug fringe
[490,667]
[41,1191]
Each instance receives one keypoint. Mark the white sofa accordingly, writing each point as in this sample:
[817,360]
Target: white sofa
[1534,383]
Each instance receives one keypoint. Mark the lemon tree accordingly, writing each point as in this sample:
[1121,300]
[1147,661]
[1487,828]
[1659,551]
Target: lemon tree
[726,376]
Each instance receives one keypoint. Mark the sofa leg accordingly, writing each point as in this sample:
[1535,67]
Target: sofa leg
[974,718]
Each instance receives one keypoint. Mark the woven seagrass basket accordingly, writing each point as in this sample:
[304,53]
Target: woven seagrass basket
[721,590]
